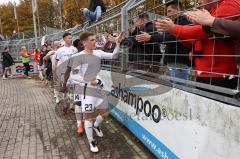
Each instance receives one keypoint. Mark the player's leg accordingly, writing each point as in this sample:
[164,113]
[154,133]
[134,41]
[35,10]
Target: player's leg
[103,113]
[56,95]
[79,117]
[65,104]
[88,105]
[65,97]
[5,75]
[88,125]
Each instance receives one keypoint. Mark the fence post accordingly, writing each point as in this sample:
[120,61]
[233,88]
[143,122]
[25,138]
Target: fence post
[124,28]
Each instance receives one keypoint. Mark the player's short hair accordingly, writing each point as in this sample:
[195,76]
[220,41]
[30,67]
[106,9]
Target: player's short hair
[143,16]
[47,43]
[174,4]
[84,36]
[75,42]
[56,42]
[66,34]
[6,48]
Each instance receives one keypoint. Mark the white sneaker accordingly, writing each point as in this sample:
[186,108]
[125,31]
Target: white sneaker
[98,131]
[4,78]
[11,76]
[57,101]
[93,147]
[29,77]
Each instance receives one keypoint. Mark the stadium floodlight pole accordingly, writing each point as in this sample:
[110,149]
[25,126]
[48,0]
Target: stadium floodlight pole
[34,10]
[124,28]
[1,25]
[124,17]
[15,15]
[38,21]
[60,13]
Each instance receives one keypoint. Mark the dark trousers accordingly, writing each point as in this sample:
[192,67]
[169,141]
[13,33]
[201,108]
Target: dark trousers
[49,73]
[222,82]
[27,68]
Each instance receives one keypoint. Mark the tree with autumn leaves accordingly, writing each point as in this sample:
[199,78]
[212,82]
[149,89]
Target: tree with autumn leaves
[48,14]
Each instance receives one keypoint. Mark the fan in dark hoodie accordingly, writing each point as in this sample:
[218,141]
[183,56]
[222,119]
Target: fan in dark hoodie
[176,55]
[145,54]
[7,63]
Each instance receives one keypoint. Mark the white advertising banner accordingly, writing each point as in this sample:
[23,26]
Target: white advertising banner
[173,123]
[18,68]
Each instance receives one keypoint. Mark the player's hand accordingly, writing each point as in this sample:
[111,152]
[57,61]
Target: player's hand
[50,53]
[164,25]
[94,82]
[117,39]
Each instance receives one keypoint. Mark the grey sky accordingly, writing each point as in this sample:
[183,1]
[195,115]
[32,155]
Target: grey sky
[6,1]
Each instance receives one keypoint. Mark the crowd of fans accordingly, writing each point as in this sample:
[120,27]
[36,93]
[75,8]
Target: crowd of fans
[197,41]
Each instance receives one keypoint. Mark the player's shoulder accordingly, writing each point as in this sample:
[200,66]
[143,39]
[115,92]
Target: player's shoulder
[61,49]
[73,49]
[98,52]
[76,54]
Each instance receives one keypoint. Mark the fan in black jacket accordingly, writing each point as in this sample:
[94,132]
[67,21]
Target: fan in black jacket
[173,46]
[176,55]
[7,63]
[141,51]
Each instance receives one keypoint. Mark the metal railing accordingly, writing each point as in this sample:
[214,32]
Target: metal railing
[136,64]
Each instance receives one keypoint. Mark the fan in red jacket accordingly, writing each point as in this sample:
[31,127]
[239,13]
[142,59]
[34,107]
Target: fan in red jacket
[216,58]
[37,54]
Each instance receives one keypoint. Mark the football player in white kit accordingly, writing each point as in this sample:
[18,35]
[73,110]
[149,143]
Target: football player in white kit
[75,76]
[62,55]
[75,80]
[92,96]
[52,56]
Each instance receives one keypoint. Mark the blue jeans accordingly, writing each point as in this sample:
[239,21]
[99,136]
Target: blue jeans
[182,72]
[92,16]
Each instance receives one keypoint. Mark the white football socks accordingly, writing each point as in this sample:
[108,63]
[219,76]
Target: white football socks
[78,114]
[98,121]
[88,125]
